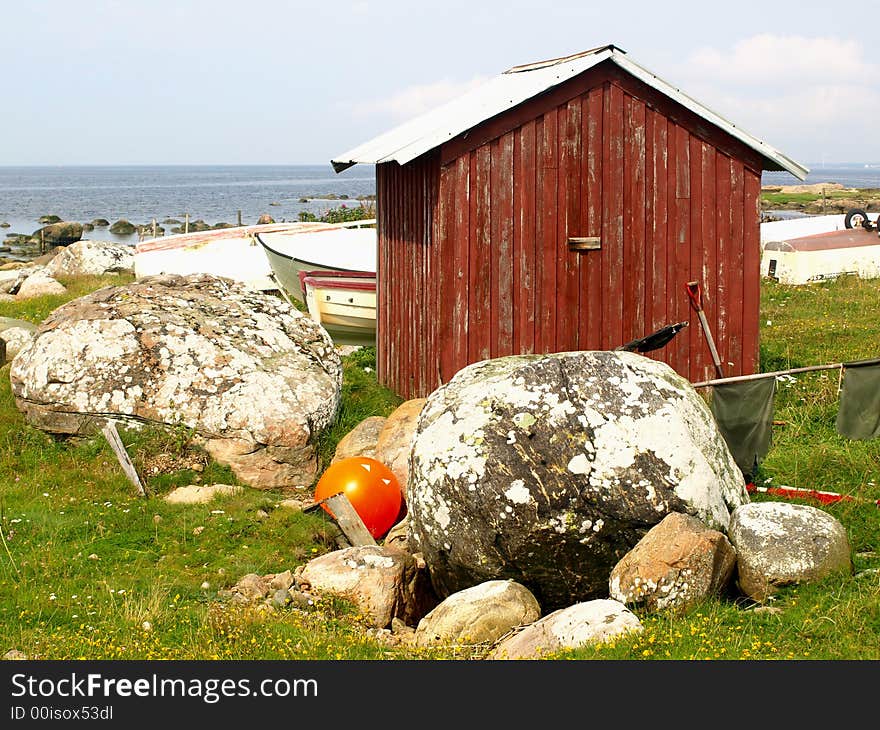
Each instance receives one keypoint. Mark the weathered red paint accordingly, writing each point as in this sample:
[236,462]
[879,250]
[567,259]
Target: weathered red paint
[474,260]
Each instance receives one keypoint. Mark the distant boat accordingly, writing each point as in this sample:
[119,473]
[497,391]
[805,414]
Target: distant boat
[822,256]
[801,226]
[326,247]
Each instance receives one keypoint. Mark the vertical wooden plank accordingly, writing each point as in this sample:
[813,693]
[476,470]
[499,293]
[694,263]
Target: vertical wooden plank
[390,245]
[547,242]
[410,249]
[735,280]
[382,202]
[479,299]
[443,242]
[722,266]
[751,269]
[526,172]
[569,200]
[634,229]
[660,293]
[627,265]
[591,318]
[435,275]
[461,253]
[708,262]
[649,302]
[502,241]
[680,246]
[700,359]
[612,217]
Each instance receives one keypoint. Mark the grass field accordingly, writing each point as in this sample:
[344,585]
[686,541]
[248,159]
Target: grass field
[89,570]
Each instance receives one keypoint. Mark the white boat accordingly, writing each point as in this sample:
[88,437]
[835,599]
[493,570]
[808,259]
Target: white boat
[347,247]
[822,256]
[332,270]
[804,226]
[343,303]
[230,252]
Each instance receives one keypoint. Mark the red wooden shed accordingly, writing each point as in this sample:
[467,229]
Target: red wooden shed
[563,205]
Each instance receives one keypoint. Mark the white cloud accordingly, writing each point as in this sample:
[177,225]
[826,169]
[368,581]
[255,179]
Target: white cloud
[809,97]
[787,59]
[415,100]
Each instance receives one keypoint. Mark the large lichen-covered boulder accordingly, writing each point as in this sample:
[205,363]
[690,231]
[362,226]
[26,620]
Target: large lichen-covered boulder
[200,351]
[780,544]
[91,257]
[548,469]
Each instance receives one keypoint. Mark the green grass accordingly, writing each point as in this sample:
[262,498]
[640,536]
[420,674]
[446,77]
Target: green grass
[85,561]
[781,198]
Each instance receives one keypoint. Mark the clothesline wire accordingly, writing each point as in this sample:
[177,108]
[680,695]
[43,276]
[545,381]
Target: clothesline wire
[790,371]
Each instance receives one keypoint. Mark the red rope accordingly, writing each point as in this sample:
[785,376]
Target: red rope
[797,492]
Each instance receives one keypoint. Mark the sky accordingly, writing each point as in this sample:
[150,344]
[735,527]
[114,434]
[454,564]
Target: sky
[102,82]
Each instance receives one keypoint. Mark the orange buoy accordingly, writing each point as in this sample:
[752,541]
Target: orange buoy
[370,486]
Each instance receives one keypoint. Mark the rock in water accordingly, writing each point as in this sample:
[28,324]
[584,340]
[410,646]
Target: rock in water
[202,351]
[548,469]
[59,234]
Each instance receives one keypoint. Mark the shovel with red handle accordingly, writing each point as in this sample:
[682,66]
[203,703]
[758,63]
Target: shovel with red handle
[696,297]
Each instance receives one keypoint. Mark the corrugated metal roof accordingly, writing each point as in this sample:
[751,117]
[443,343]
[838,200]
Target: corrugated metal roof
[509,89]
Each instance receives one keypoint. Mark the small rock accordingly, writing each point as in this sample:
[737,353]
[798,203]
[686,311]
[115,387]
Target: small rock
[770,610]
[94,556]
[15,655]
[147,626]
[205,585]
[281,597]
[262,514]
[200,494]
[38,285]
[281,581]
[198,530]
[301,600]
[252,587]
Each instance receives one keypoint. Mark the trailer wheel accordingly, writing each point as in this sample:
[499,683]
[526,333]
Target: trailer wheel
[857,218]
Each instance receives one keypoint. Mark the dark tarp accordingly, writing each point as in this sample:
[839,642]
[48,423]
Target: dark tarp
[858,416]
[744,414]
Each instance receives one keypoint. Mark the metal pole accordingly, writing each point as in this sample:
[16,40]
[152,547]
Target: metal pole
[758,376]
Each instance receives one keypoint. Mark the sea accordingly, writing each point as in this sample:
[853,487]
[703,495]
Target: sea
[140,194]
[229,193]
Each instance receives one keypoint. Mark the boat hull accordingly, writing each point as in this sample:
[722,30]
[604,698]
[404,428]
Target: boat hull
[230,252]
[343,303]
[822,256]
[349,247]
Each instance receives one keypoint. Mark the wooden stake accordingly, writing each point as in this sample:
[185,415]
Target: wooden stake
[186,223]
[112,436]
[347,518]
